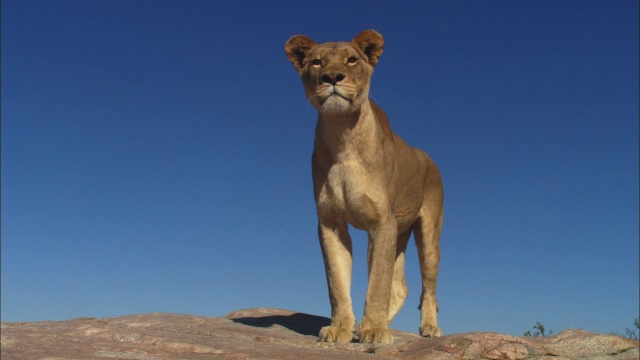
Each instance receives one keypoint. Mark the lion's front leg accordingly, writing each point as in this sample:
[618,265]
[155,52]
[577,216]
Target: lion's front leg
[337,251]
[374,327]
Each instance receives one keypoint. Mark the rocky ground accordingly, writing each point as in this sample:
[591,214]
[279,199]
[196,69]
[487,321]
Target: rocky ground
[277,334]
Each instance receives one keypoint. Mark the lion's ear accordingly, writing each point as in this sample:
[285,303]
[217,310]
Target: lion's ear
[371,44]
[297,48]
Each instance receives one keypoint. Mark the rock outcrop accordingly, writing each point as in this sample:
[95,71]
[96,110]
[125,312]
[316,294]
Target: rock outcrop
[277,334]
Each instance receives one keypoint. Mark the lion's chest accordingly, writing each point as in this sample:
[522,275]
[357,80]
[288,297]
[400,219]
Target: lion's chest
[351,192]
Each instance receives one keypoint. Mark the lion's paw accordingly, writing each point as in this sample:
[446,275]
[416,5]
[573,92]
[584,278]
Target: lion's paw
[430,331]
[376,335]
[335,334]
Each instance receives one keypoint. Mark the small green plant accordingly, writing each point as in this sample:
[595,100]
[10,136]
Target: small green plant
[539,330]
[634,332]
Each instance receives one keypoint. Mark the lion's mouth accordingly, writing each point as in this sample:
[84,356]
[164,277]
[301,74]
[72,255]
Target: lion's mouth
[335,93]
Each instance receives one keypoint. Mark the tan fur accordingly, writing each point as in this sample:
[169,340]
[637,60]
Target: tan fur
[366,176]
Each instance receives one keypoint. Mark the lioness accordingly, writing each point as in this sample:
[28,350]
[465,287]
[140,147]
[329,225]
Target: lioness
[366,176]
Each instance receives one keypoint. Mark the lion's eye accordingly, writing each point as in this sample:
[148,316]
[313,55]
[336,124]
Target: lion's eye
[352,60]
[316,62]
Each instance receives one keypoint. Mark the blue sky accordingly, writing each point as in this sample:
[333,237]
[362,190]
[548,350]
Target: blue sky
[156,157]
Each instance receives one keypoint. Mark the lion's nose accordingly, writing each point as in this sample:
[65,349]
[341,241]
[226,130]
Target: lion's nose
[332,78]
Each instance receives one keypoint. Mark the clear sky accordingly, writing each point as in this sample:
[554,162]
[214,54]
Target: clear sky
[156,157]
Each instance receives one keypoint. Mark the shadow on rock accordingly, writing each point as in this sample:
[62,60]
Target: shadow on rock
[304,324]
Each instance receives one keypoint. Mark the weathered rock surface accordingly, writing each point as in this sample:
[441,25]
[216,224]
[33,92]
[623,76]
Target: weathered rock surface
[277,334]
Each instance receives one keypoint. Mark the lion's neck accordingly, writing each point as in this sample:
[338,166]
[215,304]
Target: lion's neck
[343,137]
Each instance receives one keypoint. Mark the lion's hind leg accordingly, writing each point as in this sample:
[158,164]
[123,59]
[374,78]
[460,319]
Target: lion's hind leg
[399,289]
[427,235]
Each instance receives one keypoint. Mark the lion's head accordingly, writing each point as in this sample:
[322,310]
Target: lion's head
[336,75]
